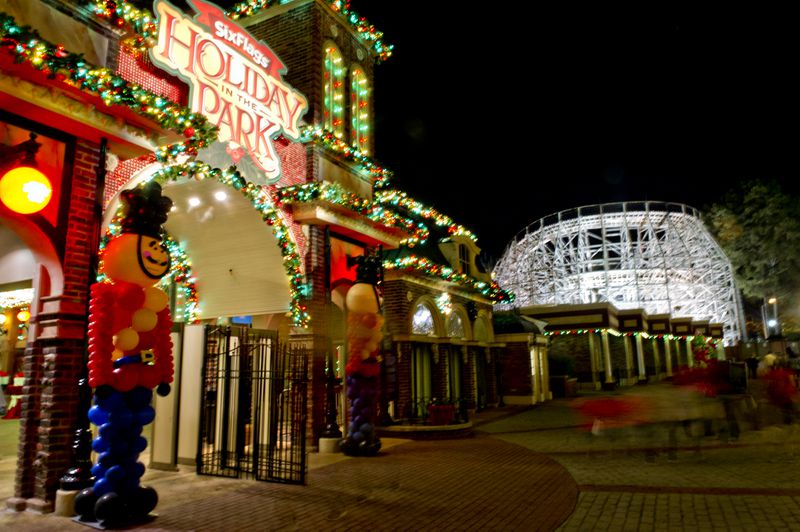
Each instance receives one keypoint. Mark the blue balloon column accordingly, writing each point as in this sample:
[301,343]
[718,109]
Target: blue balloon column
[363,394]
[116,495]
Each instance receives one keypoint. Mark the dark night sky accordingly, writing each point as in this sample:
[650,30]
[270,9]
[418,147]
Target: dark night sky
[498,117]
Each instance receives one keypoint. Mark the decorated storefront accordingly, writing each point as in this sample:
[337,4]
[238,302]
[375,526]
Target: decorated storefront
[256,123]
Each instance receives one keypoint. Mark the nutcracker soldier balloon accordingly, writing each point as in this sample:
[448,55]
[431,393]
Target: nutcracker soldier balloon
[364,334]
[130,353]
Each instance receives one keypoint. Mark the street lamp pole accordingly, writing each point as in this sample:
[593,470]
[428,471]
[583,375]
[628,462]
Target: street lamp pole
[774,302]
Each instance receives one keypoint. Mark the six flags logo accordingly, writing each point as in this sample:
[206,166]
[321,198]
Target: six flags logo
[235,80]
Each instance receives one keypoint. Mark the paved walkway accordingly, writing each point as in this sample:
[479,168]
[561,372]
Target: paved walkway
[635,478]
[527,469]
[479,483]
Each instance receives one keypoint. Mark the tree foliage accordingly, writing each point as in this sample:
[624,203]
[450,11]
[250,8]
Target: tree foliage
[758,227]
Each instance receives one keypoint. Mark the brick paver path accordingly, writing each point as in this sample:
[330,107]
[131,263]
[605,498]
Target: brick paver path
[479,483]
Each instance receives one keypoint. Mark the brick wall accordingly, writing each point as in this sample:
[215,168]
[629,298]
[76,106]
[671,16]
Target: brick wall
[517,369]
[54,362]
[397,307]
[491,377]
[403,397]
[297,37]
[138,68]
[618,364]
[469,385]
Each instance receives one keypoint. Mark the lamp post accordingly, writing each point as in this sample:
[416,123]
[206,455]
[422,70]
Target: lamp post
[774,322]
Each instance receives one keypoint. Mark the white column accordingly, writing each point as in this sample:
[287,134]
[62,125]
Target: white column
[607,358]
[640,358]
[536,388]
[191,389]
[593,359]
[546,395]
[720,351]
[165,428]
[689,355]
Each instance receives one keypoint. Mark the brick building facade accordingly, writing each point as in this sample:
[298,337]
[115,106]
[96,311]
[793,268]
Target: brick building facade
[327,200]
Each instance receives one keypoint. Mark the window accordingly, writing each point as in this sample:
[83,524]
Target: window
[422,321]
[359,110]
[334,91]
[463,258]
[455,326]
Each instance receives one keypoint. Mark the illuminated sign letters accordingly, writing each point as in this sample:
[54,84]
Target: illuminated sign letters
[235,80]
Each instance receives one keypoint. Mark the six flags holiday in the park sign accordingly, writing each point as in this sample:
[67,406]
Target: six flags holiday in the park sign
[235,80]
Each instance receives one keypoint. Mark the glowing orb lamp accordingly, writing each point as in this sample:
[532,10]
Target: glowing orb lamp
[25,190]
[23,315]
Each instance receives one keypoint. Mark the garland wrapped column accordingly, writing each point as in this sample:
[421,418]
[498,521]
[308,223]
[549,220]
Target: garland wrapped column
[364,334]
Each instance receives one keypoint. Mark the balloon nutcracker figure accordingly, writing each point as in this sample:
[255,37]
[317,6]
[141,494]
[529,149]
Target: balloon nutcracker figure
[130,353]
[364,334]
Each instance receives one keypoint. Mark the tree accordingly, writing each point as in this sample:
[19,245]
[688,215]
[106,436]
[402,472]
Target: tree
[758,227]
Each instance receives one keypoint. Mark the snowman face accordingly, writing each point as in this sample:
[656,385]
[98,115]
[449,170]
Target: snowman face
[153,257]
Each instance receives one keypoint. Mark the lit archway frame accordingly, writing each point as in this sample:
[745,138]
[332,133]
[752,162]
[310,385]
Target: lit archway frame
[262,202]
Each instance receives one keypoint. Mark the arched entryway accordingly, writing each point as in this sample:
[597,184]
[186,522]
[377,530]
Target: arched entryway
[225,353]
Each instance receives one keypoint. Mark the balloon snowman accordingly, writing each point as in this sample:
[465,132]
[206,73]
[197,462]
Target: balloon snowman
[130,353]
[364,334]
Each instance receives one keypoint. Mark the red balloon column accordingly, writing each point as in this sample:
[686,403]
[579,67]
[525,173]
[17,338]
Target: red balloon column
[130,353]
[364,334]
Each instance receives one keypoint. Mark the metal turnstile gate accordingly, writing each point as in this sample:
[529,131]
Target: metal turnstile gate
[254,401]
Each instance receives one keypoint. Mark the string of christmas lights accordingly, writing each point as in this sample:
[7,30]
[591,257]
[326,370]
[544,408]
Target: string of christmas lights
[396,198]
[260,199]
[141,22]
[336,194]
[26,45]
[363,28]
[424,266]
[327,139]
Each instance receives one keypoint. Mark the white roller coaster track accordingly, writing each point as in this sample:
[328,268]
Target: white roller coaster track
[650,255]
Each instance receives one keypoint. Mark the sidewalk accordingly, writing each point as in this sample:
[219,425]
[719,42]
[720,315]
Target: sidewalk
[631,478]
[527,468]
[478,483]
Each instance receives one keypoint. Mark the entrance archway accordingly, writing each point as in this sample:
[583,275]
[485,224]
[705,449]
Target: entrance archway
[239,273]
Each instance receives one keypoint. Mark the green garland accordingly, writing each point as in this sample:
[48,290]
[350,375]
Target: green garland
[27,45]
[260,199]
[142,24]
[424,266]
[380,175]
[336,194]
[397,198]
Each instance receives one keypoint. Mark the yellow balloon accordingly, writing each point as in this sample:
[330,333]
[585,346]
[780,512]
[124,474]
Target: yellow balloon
[155,299]
[117,354]
[362,298]
[144,320]
[126,339]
